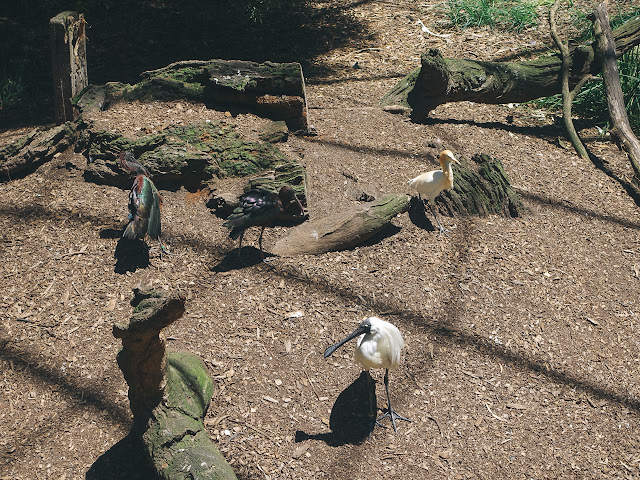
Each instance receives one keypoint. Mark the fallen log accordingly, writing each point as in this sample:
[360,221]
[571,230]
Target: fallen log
[32,150]
[272,90]
[442,80]
[343,230]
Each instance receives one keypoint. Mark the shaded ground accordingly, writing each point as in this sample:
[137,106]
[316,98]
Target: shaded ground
[521,356]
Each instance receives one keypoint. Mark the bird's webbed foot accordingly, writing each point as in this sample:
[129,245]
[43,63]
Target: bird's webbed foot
[393,415]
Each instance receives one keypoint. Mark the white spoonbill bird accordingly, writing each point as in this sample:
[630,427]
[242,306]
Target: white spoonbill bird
[431,183]
[378,346]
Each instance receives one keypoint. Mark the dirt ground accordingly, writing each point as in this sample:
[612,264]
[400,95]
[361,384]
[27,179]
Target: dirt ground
[521,357]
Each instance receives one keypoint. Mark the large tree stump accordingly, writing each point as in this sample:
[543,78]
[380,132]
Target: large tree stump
[69,62]
[169,394]
[441,80]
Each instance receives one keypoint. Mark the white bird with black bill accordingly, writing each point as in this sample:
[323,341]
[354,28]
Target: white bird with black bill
[378,346]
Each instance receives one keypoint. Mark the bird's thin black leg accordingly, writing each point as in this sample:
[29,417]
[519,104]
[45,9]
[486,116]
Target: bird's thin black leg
[162,250]
[442,229]
[240,244]
[391,413]
[260,242]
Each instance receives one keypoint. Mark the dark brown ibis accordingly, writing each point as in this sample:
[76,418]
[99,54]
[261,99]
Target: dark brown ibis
[261,208]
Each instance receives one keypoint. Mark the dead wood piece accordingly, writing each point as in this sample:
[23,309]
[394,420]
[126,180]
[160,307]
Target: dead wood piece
[69,62]
[34,149]
[441,80]
[169,394]
[621,128]
[343,230]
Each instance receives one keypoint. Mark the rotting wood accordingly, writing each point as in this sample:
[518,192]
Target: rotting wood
[607,50]
[441,80]
[169,394]
[69,62]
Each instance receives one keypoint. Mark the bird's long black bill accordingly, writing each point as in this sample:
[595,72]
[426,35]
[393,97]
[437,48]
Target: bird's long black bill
[357,332]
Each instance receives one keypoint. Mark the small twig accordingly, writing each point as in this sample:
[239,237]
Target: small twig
[311,383]
[437,424]
[493,414]
[76,289]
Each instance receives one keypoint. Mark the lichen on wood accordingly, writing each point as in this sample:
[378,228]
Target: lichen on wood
[481,189]
[191,155]
[169,394]
[441,80]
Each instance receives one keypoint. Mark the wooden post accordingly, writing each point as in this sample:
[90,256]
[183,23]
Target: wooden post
[69,61]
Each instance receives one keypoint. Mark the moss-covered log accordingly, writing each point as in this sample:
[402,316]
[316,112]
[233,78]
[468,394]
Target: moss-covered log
[441,80]
[191,155]
[34,149]
[342,230]
[481,188]
[272,90]
[169,394]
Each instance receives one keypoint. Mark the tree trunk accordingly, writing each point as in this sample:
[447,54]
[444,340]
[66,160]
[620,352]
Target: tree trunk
[620,126]
[441,80]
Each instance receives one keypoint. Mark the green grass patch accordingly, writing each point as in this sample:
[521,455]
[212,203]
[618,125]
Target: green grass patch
[591,102]
[514,15]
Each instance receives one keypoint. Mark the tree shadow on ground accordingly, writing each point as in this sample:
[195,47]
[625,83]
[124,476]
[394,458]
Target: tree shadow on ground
[124,461]
[124,42]
[130,255]
[349,421]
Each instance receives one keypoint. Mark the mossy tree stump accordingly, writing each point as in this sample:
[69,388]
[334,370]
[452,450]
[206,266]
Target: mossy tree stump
[169,394]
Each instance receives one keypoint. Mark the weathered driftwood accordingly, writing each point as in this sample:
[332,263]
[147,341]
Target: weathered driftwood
[441,80]
[272,90]
[34,149]
[169,394]
[342,230]
[68,62]
[620,127]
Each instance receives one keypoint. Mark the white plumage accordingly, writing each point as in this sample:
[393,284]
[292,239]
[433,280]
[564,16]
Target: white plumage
[431,183]
[378,346]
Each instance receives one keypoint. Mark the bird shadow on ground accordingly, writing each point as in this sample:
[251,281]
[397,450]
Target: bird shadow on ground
[130,255]
[349,421]
[237,259]
[418,215]
[122,462]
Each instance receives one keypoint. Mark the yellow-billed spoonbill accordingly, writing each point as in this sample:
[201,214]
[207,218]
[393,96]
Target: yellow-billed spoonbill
[433,182]
[378,346]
